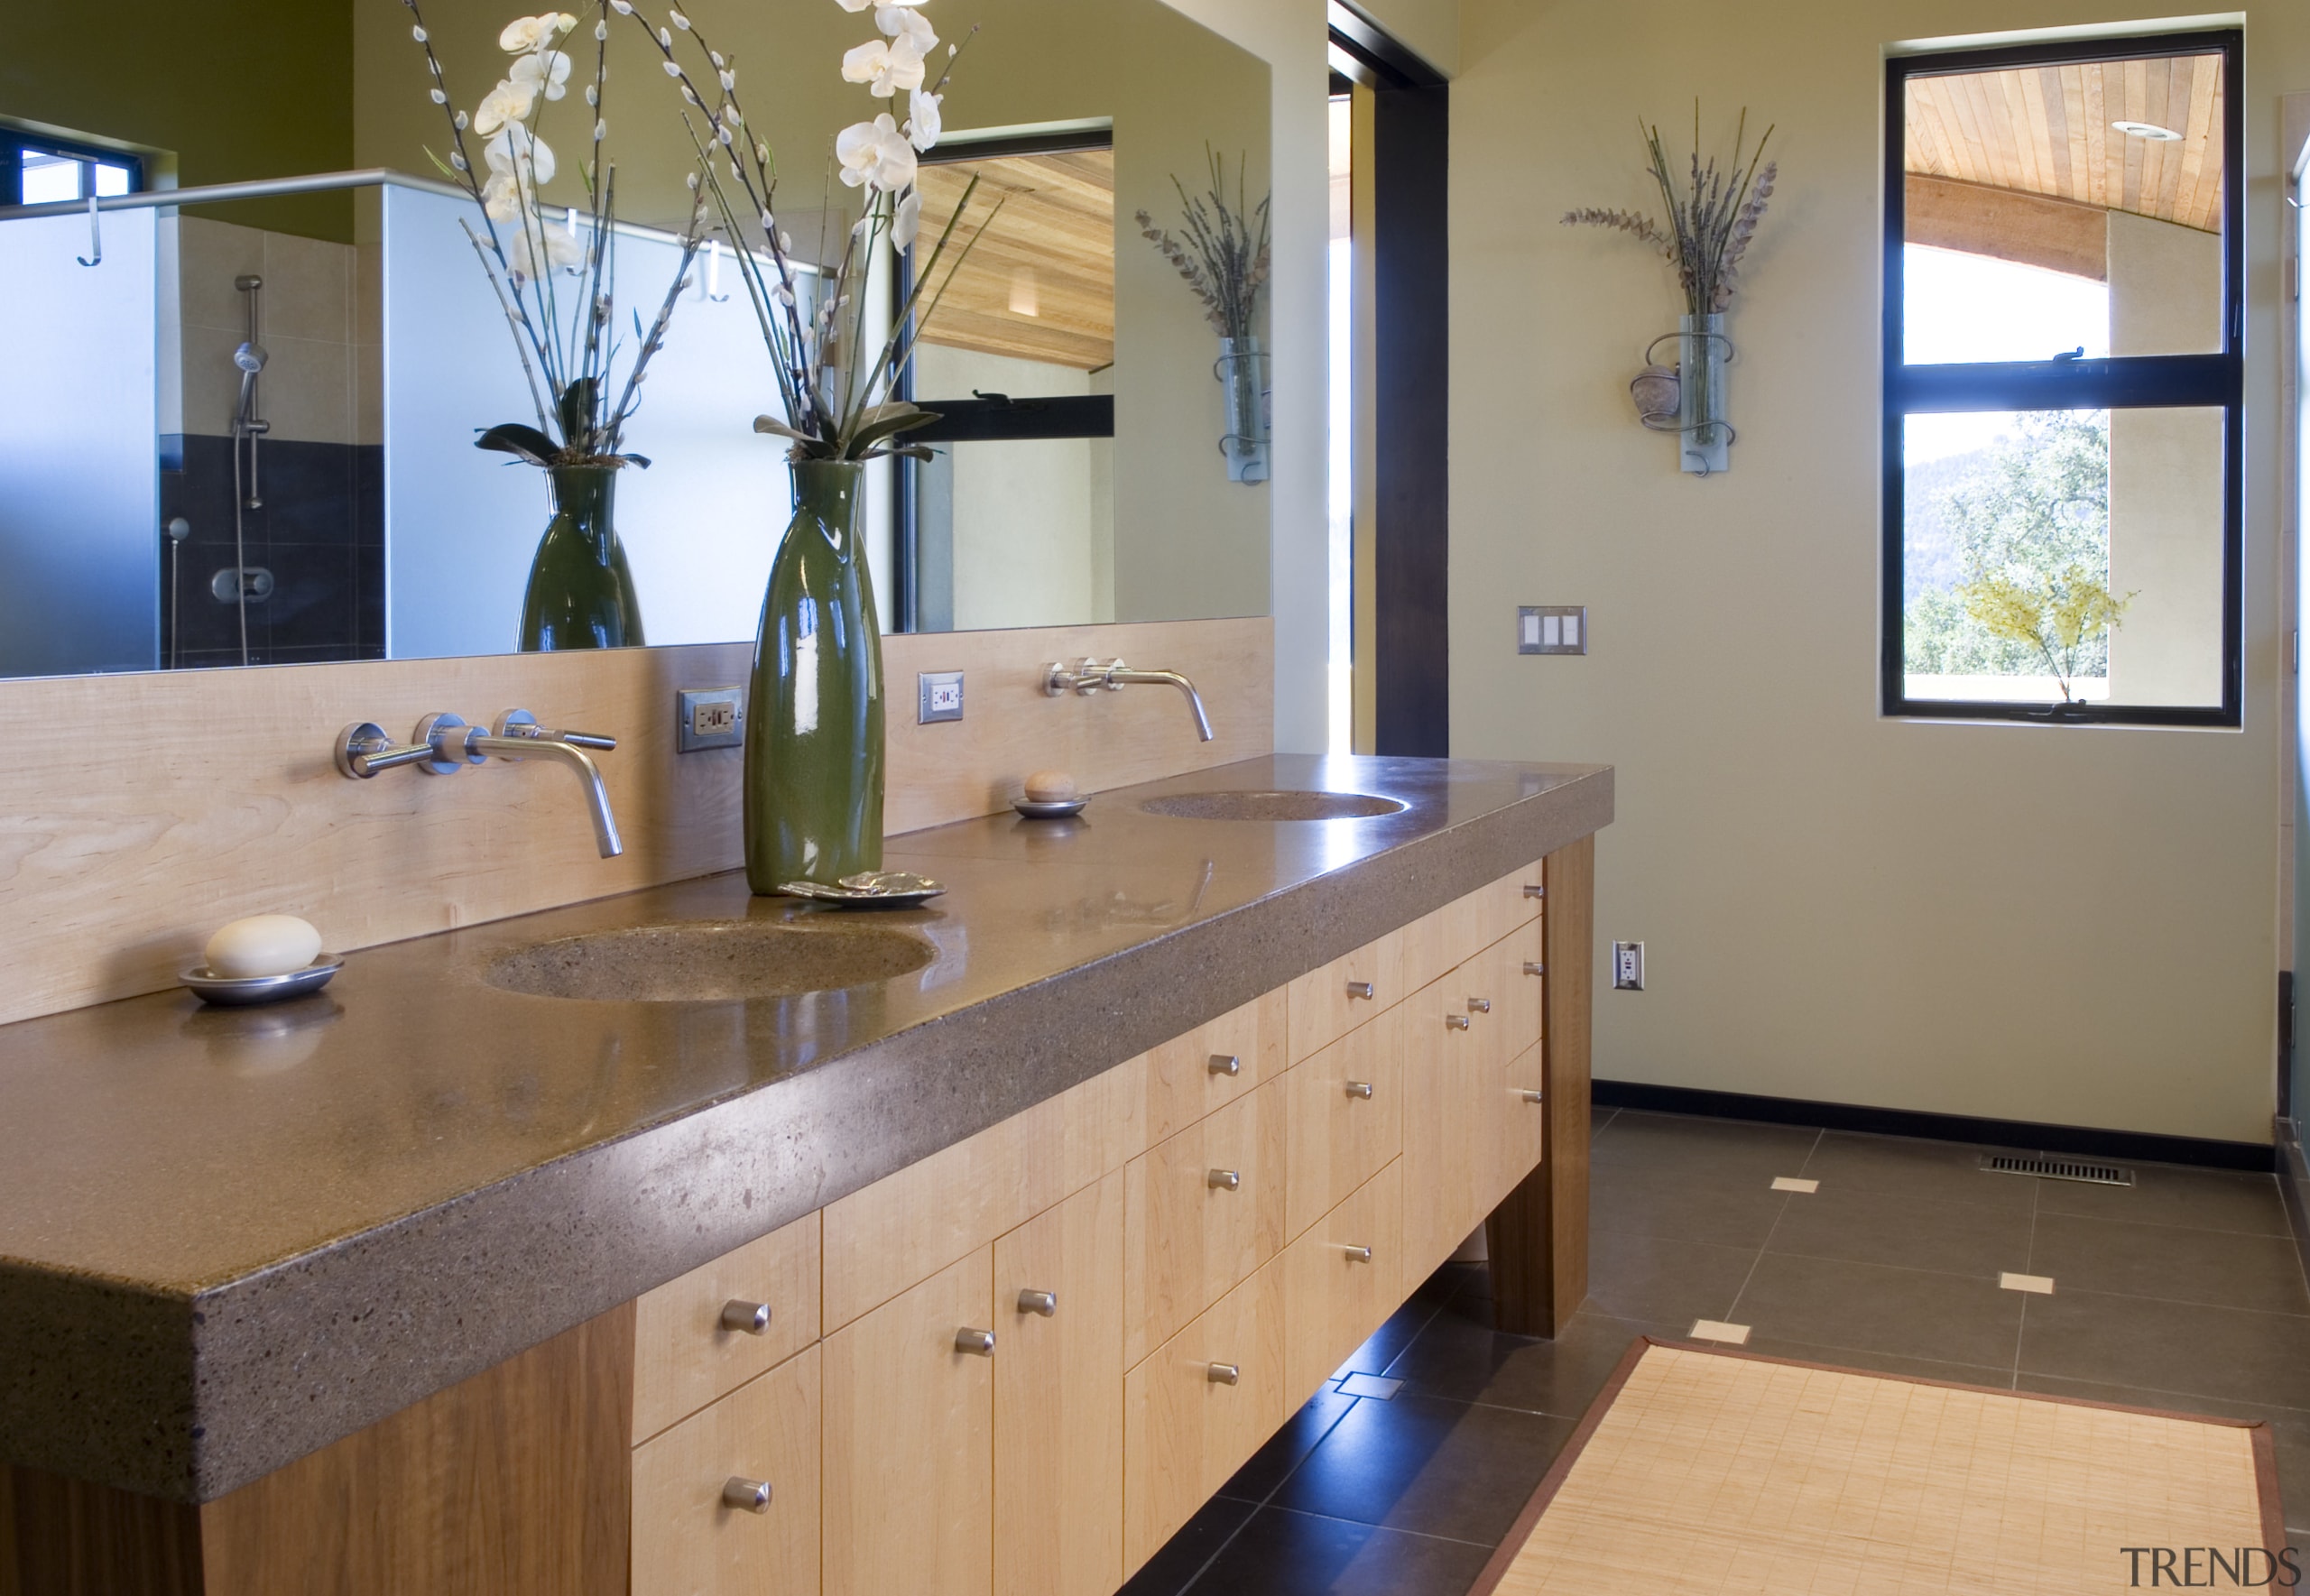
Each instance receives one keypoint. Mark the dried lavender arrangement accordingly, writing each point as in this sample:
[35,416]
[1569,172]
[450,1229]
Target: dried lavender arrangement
[1224,259]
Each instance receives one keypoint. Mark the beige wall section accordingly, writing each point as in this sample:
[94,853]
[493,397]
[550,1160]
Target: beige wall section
[2073,925]
[120,853]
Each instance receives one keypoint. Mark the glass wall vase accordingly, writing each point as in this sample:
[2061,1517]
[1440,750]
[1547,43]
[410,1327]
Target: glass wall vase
[580,594]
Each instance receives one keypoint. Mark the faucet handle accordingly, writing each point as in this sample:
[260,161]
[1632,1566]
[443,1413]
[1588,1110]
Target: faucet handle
[520,723]
[363,750]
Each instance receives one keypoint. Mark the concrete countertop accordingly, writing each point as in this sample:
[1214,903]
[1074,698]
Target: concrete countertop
[229,1237]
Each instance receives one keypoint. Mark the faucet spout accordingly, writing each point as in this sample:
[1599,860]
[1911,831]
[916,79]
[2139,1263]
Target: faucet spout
[589,777]
[1089,676]
[1122,674]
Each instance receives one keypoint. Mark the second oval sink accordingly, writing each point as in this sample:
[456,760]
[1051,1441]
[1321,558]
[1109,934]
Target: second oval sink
[1273,805]
[710,960]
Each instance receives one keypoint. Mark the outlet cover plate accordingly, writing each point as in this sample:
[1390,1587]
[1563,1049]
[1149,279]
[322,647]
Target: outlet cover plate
[709,717]
[939,696]
[1628,966]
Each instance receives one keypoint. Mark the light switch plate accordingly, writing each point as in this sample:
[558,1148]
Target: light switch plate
[939,695]
[708,717]
[1552,629]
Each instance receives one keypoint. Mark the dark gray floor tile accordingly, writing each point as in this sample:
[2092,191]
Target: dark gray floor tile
[1907,1313]
[1872,1362]
[1387,1343]
[1683,1205]
[1421,1463]
[1936,1171]
[2202,1199]
[1472,1362]
[1907,1232]
[1725,1150]
[2289,1427]
[1182,1557]
[1272,1463]
[1665,1282]
[2223,1267]
[2169,1346]
[1287,1553]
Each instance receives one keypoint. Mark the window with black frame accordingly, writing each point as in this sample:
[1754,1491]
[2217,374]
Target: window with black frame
[35,171]
[1010,522]
[2063,375]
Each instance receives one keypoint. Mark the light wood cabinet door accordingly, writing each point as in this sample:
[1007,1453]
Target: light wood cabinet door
[694,1338]
[1326,1004]
[1347,1117]
[1058,1400]
[688,1538]
[1212,1065]
[1196,1411]
[1342,1280]
[1437,943]
[1450,1145]
[1201,1211]
[1521,1006]
[1523,1122]
[909,1452]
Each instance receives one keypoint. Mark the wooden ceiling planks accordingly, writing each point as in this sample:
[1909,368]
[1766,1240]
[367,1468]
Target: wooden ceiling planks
[1039,284]
[2045,130]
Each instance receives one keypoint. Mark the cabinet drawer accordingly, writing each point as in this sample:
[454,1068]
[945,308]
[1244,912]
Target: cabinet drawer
[1347,1117]
[1214,1065]
[1522,1122]
[687,1541]
[1341,1280]
[686,1354]
[1450,1085]
[1184,1432]
[1326,1004]
[1189,1232]
[1466,926]
[1521,1008]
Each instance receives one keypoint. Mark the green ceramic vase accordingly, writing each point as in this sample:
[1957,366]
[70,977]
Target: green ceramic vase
[814,720]
[580,594]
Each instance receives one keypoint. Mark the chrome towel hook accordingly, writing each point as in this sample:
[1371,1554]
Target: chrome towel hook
[95,238]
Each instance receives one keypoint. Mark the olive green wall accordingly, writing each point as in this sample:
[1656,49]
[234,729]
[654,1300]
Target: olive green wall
[227,91]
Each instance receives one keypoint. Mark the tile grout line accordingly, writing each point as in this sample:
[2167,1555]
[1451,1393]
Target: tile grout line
[1449,1540]
[1757,1262]
[2021,1324]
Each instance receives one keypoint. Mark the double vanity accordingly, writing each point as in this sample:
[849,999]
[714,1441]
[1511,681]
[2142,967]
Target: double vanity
[966,1248]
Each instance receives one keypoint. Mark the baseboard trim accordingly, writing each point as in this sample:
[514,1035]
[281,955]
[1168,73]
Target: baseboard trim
[2084,1140]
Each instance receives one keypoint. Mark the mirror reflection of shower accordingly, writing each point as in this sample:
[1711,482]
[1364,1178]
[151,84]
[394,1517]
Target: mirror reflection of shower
[249,361]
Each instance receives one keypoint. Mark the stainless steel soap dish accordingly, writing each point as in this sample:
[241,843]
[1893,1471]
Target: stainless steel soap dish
[879,889]
[1060,809]
[241,991]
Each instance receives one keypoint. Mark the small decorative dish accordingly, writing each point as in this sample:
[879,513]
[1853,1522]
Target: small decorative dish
[1060,810]
[241,991]
[879,889]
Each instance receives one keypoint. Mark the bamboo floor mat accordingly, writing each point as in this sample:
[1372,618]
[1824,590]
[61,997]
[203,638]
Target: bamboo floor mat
[1702,1470]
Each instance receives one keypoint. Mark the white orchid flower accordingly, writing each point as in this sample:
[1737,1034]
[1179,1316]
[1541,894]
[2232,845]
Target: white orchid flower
[907,220]
[548,71]
[884,68]
[517,150]
[903,22]
[501,197]
[552,247]
[854,4]
[875,153]
[506,104]
[923,123]
[534,33]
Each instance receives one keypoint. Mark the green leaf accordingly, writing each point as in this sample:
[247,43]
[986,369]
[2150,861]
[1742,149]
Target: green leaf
[888,420]
[772,424]
[516,437]
[577,408]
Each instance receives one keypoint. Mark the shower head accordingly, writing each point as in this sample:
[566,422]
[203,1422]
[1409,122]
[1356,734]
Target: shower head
[250,358]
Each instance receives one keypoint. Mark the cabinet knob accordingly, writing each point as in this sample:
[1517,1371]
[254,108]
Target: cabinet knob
[1359,1089]
[1529,1096]
[1479,1005]
[1225,1063]
[1045,1303]
[1223,1180]
[751,1317]
[1357,1254]
[1532,891]
[1359,989]
[1534,967]
[748,1496]
[1222,1374]
[980,1342]
[1455,1022]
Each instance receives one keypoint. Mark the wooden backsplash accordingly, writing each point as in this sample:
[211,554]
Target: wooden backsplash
[140,812]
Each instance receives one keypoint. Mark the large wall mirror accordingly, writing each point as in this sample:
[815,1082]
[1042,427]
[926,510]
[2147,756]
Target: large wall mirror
[243,431]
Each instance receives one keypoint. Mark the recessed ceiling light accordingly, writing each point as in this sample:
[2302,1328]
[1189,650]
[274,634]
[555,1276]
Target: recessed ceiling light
[2148,130]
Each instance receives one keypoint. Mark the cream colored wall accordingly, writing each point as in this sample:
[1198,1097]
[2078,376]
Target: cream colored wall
[2063,925]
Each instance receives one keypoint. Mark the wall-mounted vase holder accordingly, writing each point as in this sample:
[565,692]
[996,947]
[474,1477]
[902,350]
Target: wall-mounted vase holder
[1242,371]
[1689,400]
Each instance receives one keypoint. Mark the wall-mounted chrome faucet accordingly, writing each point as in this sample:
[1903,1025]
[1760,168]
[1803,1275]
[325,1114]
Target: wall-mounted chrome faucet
[445,744]
[1089,676]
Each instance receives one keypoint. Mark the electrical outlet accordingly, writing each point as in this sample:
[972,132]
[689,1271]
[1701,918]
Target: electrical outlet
[1628,966]
[939,696]
[709,717]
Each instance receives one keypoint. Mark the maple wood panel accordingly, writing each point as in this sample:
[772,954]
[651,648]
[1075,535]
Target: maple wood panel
[685,1541]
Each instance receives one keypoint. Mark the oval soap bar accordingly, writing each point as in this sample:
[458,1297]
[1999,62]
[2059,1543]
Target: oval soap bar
[263,945]
[1051,787]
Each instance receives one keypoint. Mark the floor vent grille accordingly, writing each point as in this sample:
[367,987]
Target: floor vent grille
[2056,1169]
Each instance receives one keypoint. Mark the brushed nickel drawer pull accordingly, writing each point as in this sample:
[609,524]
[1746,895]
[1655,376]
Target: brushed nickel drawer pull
[1479,1005]
[1359,989]
[1360,1089]
[980,1342]
[1222,1180]
[752,1318]
[1529,1095]
[1225,1063]
[1222,1374]
[1358,1254]
[1532,891]
[1534,967]
[1045,1303]
[748,1496]
[1455,1022]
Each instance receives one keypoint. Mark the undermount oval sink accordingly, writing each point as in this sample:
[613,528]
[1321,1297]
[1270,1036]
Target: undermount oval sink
[1273,805]
[708,962]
